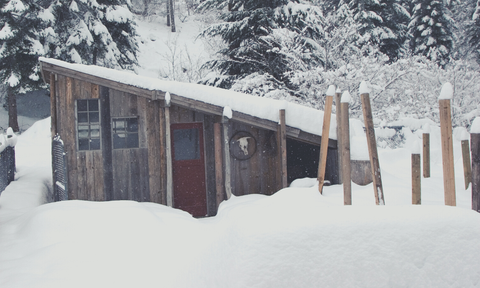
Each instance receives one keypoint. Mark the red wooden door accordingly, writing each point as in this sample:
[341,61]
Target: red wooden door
[189,191]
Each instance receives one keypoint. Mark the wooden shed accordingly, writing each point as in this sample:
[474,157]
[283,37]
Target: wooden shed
[128,137]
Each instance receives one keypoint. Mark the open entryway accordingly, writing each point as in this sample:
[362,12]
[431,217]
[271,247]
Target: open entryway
[189,190]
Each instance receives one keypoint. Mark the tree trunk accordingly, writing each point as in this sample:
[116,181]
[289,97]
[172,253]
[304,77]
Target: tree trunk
[172,15]
[12,110]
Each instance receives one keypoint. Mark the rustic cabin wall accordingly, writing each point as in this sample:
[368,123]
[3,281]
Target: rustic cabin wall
[130,167]
[257,172]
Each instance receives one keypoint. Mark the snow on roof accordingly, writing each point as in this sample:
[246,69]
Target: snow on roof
[298,116]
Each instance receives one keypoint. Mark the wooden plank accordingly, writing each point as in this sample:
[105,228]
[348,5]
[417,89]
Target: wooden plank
[163,157]
[81,187]
[53,105]
[324,145]
[208,123]
[372,149]
[218,162]
[447,151]
[426,155]
[153,146]
[416,180]
[283,148]
[475,139]
[99,175]
[338,114]
[345,151]
[467,167]
[90,176]
[106,143]
[69,134]
[168,154]
[141,107]
[226,155]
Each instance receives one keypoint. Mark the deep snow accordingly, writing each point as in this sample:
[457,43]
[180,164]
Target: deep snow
[295,238]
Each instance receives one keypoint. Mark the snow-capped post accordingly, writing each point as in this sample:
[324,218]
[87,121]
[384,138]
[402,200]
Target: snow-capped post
[475,147]
[372,143]
[447,143]
[53,105]
[322,163]
[426,151]
[227,115]
[7,158]
[467,167]
[338,113]
[168,152]
[282,133]
[217,141]
[345,148]
[416,176]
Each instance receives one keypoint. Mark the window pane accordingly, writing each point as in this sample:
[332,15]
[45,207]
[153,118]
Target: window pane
[94,117]
[132,140]
[94,144]
[82,105]
[83,144]
[83,131]
[132,125]
[93,105]
[186,144]
[95,131]
[119,141]
[82,117]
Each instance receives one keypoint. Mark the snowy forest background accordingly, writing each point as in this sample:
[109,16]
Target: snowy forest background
[282,49]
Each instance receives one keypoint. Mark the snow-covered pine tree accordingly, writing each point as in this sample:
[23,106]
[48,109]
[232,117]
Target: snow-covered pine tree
[94,32]
[430,30]
[473,32]
[19,50]
[267,38]
[382,23]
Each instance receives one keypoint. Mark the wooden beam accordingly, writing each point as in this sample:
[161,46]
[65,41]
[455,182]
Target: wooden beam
[338,114]
[426,155]
[416,180]
[475,139]
[467,167]
[447,151]
[282,133]
[53,105]
[219,184]
[372,149]
[345,151]
[322,163]
[226,155]
[168,152]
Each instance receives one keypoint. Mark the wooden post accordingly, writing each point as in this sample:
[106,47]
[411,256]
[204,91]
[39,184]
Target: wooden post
[168,152]
[345,149]
[226,153]
[322,163]
[217,135]
[372,149]
[53,105]
[447,151]
[283,148]
[416,180]
[475,139]
[338,114]
[467,168]
[426,155]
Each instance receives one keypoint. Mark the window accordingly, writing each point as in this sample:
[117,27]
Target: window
[125,133]
[88,124]
[186,144]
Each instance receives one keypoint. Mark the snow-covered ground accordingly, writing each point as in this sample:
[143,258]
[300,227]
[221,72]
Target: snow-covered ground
[295,238]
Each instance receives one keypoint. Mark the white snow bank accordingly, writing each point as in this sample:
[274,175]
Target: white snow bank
[298,116]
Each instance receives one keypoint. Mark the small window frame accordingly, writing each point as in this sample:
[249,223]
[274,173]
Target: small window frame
[125,128]
[88,120]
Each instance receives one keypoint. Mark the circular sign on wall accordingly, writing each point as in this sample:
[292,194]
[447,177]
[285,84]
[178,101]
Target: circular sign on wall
[243,145]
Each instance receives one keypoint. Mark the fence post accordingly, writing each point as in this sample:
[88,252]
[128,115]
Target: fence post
[447,144]
[345,148]
[338,114]
[282,134]
[426,155]
[372,143]
[325,136]
[467,167]
[416,178]
[475,146]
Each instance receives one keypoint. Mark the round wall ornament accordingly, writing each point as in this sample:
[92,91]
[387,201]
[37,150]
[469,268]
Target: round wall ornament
[243,145]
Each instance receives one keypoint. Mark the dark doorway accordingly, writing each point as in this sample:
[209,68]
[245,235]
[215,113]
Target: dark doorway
[302,161]
[189,168]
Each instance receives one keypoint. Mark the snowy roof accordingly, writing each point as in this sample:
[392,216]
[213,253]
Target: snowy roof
[307,119]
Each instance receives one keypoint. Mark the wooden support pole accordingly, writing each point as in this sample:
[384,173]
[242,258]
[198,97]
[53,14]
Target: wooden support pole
[372,149]
[416,180]
[338,114]
[467,167]
[426,155]
[283,148]
[322,163]
[217,135]
[226,154]
[168,152]
[447,151]
[475,139]
[345,151]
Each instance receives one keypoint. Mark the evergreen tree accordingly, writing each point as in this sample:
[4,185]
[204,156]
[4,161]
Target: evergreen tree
[473,32]
[430,29]
[268,37]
